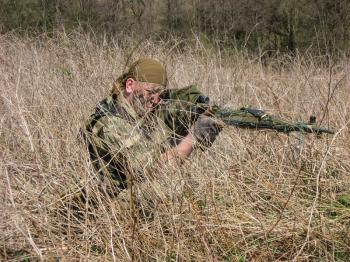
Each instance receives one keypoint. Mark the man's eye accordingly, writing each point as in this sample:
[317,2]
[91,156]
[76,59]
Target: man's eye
[153,91]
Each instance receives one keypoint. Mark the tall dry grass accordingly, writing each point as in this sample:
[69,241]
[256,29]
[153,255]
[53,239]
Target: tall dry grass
[253,196]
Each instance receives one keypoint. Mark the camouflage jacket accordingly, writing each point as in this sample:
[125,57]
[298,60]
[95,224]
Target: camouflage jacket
[120,143]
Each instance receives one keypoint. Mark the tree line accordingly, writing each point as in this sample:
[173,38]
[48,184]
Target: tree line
[268,26]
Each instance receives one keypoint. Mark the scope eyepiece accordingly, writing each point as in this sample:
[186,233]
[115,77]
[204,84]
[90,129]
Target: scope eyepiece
[203,99]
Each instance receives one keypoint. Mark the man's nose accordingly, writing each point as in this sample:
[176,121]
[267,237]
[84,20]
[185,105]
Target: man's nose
[155,98]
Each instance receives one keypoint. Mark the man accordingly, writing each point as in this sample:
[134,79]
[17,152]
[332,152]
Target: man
[126,136]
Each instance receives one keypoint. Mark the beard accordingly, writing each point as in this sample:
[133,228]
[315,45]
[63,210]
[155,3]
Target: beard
[147,114]
[142,107]
[139,104]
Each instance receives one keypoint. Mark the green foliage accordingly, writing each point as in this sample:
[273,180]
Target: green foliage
[17,14]
[263,26]
[43,16]
[171,256]
[344,200]
[22,256]
[340,209]
[234,255]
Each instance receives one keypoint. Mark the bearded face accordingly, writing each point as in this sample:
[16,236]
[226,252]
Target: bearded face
[145,98]
[139,103]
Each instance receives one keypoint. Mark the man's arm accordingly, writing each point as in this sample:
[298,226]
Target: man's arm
[203,133]
[182,150]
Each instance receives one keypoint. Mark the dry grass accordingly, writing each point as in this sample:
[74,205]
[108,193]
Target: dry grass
[252,196]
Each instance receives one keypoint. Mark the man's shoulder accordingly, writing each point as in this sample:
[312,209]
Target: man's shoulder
[116,130]
[108,106]
[107,112]
[115,122]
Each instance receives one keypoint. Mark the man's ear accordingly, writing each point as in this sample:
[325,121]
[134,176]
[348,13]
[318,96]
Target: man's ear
[130,85]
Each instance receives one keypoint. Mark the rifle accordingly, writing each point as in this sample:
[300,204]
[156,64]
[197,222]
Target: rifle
[181,107]
[247,117]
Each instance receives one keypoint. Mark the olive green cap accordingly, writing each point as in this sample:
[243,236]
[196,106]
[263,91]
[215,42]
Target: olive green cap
[148,70]
[143,70]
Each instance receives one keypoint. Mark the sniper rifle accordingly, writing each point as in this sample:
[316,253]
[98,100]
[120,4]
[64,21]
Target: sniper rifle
[181,107]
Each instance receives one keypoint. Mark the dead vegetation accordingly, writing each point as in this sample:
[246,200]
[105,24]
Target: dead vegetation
[253,196]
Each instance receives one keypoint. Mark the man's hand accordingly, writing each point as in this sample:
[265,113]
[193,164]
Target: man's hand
[205,130]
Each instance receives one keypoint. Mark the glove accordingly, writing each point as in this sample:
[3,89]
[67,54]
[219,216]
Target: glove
[205,130]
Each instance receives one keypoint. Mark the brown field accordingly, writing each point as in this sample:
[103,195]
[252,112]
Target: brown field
[253,196]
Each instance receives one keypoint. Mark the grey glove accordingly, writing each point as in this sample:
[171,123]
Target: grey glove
[205,130]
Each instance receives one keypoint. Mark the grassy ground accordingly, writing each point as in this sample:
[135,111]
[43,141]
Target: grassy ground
[253,196]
